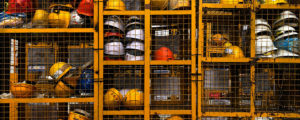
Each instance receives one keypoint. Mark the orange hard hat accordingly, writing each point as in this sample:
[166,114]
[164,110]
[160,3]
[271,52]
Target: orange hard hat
[220,39]
[86,7]
[163,53]
[19,6]
[109,34]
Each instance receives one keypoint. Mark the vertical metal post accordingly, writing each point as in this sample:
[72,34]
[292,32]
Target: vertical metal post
[97,107]
[99,58]
[252,66]
[200,55]
[193,57]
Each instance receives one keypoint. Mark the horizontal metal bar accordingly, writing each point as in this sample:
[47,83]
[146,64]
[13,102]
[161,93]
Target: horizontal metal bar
[171,62]
[224,59]
[173,112]
[226,114]
[49,30]
[45,100]
[283,6]
[286,115]
[123,63]
[170,12]
[216,5]
[123,12]
[279,60]
[124,112]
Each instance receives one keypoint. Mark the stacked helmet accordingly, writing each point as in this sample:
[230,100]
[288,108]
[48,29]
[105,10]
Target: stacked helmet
[114,48]
[175,118]
[286,18]
[285,31]
[60,16]
[274,1]
[112,98]
[231,1]
[132,19]
[264,44]
[177,4]
[262,27]
[163,53]
[79,114]
[234,52]
[134,99]
[262,22]
[135,51]
[86,7]
[19,6]
[40,18]
[159,4]
[285,53]
[59,69]
[134,29]
[115,5]
[114,22]
[76,19]
[220,39]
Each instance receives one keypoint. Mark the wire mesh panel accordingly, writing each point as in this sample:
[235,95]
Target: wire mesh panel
[123,87]
[55,111]
[123,117]
[277,33]
[234,2]
[170,4]
[226,118]
[170,117]
[124,38]
[170,87]
[46,14]
[4,111]
[171,37]
[277,88]
[45,66]
[226,33]
[226,87]
[123,5]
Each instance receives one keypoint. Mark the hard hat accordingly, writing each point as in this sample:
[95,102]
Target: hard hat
[86,82]
[286,18]
[159,4]
[12,20]
[22,90]
[135,51]
[262,22]
[290,44]
[59,19]
[114,48]
[113,34]
[275,2]
[264,44]
[286,35]
[76,20]
[285,53]
[132,19]
[220,39]
[19,6]
[134,25]
[63,89]
[227,44]
[175,118]
[115,5]
[79,114]
[59,69]
[134,99]
[115,22]
[234,51]
[112,98]
[40,18]
[135,45]
[284,29]
[137,34]
[177,4]
[262,30]
[86,7]
[231,1]
[163,53]
[130,57]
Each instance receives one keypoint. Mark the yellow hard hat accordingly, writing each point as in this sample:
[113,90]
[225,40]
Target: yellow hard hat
[22,90]
[112,98]
[234,51]
[220,39]
[59,69]
[115,5]
[275,2]
[134,99]
[40,17]
[60,19]
[176,4]
[227,44]
[175,118]
[63,89]
[78,114]
[159,4]
[231,1]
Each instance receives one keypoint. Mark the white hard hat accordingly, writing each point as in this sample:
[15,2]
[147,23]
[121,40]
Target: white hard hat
[262,22]
[287,15]
[264,44]
[136,25]
[135,34]
[290,34]
[285,53]
[116,22]
[284,29]
[135,45]
[130,57]
[114,48]
[133,19]
[262,29]
[76,20]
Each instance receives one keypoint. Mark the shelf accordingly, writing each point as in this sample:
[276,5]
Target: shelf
[123,63]
[279,60]
[175,112]
[152,12]
[123,12]
[284,6]
[226,114]
[48,30]
[171,62]
[123,112]
[216,5]
[224,59]
[45,100]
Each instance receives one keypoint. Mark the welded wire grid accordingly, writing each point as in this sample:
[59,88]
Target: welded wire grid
[4,111]
[170,4]
[123,5]
[54,111]
[123,117]
[52,65]
[278,88]
[46,14]
[170,87]
[228,1]
[123,87]
[170,117]
[226,118]
[277,33]
[226,33]
[124,38]
[226,87]
[171,37]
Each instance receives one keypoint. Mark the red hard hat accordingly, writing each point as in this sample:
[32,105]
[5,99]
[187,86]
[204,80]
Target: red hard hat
[163,53]
[108,34]
[86,7]
[19,6]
